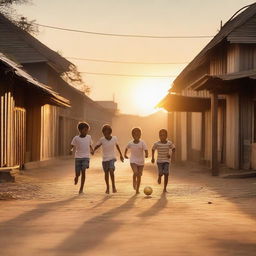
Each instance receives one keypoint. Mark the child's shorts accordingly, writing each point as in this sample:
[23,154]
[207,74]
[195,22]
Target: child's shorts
[137,169]
[108,165]
[163,168]
[81,164]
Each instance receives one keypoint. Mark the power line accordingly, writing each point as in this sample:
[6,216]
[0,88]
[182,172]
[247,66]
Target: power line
[124,35]
[129,62]
[126,75]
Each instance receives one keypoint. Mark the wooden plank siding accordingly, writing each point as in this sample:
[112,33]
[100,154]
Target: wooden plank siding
[12,130]
[244,34]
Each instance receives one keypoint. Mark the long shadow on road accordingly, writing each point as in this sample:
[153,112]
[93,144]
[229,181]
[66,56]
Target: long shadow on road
[14,231]
[94,231]
[160,204]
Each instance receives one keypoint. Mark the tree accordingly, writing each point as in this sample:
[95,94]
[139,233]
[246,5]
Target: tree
[7,9]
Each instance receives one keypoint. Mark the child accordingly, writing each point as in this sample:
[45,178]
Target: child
[137,148]
[83,148]
[108,143]
[164,148]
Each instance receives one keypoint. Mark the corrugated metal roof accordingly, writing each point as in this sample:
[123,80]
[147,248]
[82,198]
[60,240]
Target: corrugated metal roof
[16,69]
[24,48]
[230,26]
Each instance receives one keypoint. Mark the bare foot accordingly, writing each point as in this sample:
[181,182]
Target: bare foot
[137,192]
[165,191]
[107,191]
[81,192]
[114,190]
[75,180]
[159,180]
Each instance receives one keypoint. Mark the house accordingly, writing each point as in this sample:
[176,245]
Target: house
[21,99]
[212,103]
[58,125]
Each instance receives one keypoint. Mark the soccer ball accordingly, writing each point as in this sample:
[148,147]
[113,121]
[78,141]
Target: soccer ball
[148,191]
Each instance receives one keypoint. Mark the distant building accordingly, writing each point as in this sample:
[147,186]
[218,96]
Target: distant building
[58,125]
[212,103]
[109,105]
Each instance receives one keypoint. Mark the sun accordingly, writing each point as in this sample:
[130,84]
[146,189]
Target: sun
[148,93]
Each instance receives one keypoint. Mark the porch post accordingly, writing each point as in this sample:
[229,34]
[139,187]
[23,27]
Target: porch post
[214,134]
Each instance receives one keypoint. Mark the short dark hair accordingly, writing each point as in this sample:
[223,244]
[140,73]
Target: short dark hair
[83,125]
[106,127]
[164,130]
[136,129]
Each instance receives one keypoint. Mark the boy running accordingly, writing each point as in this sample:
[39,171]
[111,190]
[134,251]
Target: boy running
[164,148]
[137,158]
[83,147]
[108,143]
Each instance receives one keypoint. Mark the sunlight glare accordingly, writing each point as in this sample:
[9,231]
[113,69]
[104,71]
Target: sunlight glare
[148,93]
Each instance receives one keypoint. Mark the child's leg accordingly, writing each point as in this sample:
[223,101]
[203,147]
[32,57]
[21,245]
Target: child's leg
[134,177]
[112,176]
[159,179]
[82,181]
[134,181]
[166,176]
[77,170]
[166,167]
[76,179]
[160,172]
[107,181]
[139,174]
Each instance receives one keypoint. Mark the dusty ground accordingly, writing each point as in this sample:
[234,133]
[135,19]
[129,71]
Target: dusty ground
[41,214]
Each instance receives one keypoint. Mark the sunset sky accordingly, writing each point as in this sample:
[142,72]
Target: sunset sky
[135,95]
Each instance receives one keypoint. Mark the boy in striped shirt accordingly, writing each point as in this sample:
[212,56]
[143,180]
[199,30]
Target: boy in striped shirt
[165,149]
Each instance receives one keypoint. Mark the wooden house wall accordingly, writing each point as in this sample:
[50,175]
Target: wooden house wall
[183,130]
[246,125]
[233,55]
[218,61]
[247,57]
[253,152]
[49,132]
[12,128]
[232,131]
[207,137]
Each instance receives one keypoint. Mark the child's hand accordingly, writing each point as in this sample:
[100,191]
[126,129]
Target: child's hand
[126,157]
[169,156]
[122,158]
[153,160]
[92,152]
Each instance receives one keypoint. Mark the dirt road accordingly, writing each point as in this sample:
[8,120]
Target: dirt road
[201,215]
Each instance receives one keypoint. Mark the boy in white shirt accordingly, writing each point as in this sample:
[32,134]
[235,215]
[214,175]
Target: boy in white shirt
[139,151]
[83,147]
[109,143]
[165,149]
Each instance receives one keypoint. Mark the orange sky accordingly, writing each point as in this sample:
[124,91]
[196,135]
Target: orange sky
[157,17]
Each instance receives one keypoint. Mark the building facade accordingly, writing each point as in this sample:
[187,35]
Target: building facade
[212,113]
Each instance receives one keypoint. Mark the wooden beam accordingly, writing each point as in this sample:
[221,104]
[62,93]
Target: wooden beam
[214,134]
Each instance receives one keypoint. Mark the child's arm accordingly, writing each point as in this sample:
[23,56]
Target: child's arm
[96,147]
[92,151]
[120,153]
[71,149]
[125,153]
[146,153]
[153,156]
